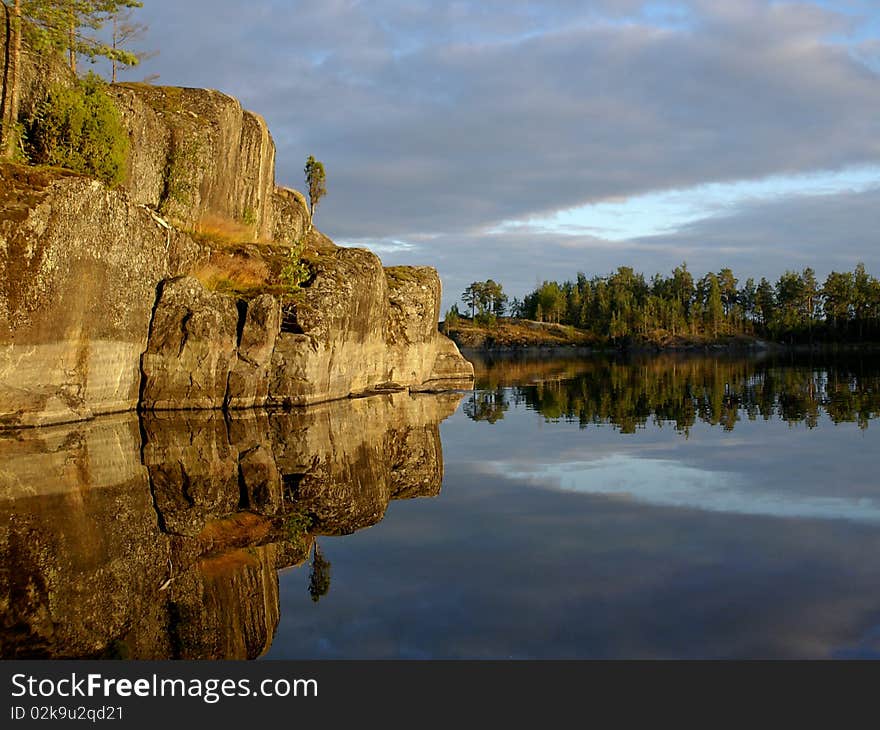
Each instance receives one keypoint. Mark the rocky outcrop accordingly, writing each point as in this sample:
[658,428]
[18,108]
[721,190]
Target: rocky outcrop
[291,215]
[356,328]
[96,317]
[248,384]
[100,311]
[79,268]
[196,155]
[359,328]
[192,348]
[160,536]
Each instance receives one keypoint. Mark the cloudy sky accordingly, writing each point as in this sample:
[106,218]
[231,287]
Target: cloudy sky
[531,140]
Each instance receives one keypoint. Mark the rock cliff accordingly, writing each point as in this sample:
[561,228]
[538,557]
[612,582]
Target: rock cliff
[197,155]
[79,269]
[105,306]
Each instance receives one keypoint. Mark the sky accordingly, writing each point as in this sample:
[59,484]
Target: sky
[526,141]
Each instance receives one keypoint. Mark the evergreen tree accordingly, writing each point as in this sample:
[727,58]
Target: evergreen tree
[809,298]
[837,298]
[714,304]
[765,303]
[747,299]
[861,297]
[81,129]
[471,297]
[727,283]
[789,301]
[316,184]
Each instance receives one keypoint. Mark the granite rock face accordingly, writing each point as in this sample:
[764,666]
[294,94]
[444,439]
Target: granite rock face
[96,317]
[100,313]
[357,328]
[192,348]
[196,154]
[79,268]
[362,328]
[291,214]
[249,376]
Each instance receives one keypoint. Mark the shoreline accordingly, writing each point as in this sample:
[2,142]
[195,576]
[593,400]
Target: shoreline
[756,348]
[512,337]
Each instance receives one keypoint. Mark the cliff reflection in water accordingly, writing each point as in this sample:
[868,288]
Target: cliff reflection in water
[681,390]
[161,537]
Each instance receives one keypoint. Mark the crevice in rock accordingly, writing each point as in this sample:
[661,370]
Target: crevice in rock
[289,323]
[186,486]
[184,335]
[160,287]
[290,484]
[243,496]
[242,307]
[227,397]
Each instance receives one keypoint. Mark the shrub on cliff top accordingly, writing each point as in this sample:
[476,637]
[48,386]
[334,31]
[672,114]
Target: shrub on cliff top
[295,272]
[80,128]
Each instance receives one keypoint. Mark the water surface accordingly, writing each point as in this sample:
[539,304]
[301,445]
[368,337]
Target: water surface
[675,507]
[662,507]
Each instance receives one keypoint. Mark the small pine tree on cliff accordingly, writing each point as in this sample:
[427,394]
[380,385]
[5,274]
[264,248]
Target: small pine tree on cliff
[316,182]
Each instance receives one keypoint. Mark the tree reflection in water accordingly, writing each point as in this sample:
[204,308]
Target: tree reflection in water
[680,390]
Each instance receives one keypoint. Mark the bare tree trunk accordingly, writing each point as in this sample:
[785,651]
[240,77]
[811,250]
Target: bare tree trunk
[12,81]
[115,40]
[7,62]
[72,45]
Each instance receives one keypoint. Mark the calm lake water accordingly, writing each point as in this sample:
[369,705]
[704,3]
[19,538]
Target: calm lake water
[669,507]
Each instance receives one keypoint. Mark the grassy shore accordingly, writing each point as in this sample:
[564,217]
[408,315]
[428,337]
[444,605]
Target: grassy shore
[516,334]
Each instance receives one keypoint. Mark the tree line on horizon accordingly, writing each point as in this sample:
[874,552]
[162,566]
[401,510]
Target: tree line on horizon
[625,305]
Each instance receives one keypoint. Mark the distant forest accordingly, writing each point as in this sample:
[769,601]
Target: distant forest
[796,309]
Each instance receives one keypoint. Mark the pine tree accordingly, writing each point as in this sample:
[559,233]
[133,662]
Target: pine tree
[765,303]
[125,32]
[714,305]
[316,184]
